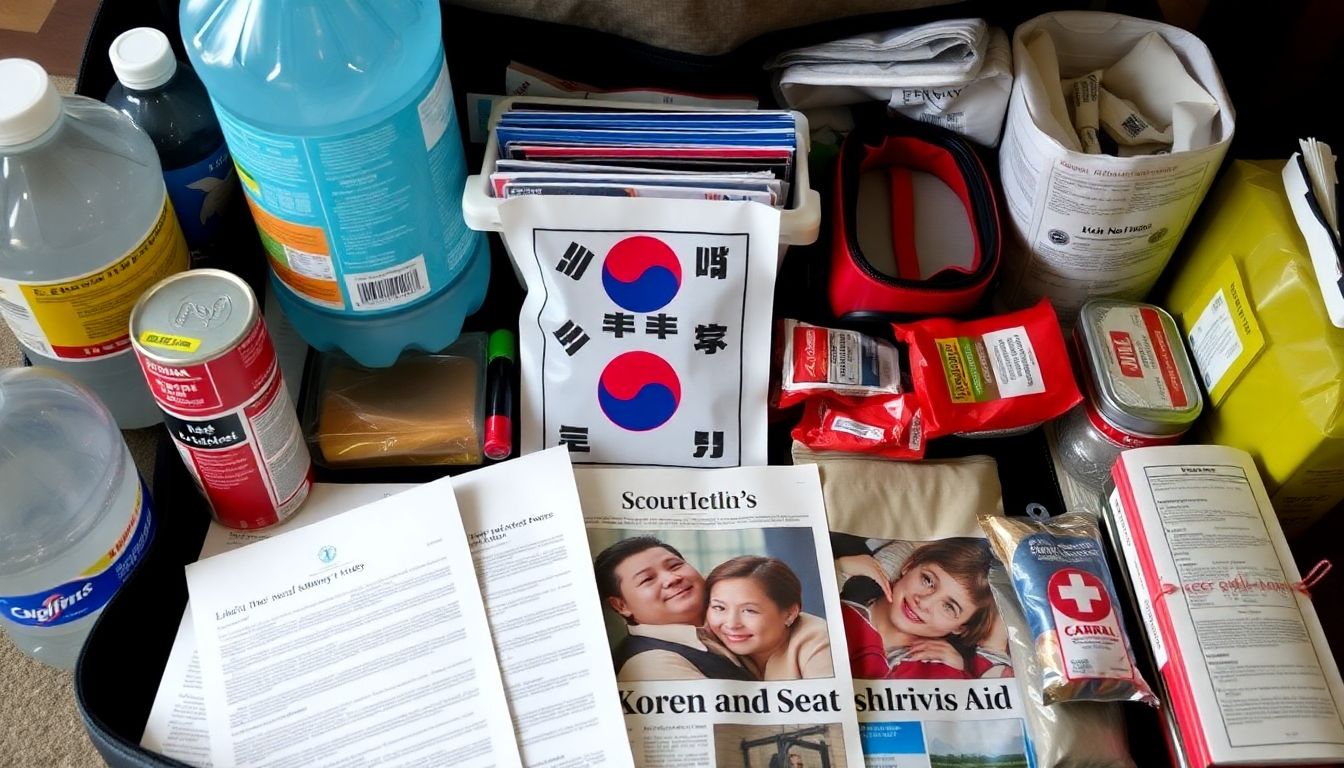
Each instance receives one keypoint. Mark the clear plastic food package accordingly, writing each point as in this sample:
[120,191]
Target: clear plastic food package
[425,410]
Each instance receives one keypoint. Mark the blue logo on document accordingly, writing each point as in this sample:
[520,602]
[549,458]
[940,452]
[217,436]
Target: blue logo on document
[326,554]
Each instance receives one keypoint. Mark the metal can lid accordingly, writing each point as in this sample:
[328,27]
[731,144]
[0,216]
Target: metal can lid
[1139,376]
[192,317]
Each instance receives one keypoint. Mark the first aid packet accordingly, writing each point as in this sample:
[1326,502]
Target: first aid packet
[1060,575]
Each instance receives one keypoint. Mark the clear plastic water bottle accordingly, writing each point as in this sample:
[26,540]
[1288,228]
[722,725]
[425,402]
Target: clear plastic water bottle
[86,227]
[75,520]
[169,103]
[341,123]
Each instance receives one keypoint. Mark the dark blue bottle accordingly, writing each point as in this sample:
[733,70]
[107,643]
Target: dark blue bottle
[167,101]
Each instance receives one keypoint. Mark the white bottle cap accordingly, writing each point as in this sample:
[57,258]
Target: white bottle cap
[142,58]
[29,103]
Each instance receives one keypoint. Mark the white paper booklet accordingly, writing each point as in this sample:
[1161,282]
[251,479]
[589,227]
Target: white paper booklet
[177,726]
[1248,672]
[361,638]
[526,533]
[722,615]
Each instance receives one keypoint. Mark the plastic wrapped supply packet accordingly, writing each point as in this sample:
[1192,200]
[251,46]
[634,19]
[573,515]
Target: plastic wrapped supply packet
[1247,295]
[816,361]
[1078,734]
[998,374]
[1064,586]
[424,410]
[891,427]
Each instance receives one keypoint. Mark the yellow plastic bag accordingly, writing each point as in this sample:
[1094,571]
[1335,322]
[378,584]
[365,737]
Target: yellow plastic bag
[1246,297]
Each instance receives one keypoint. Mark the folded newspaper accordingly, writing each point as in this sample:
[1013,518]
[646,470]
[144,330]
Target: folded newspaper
[721,644]
[723,616]
[956,73]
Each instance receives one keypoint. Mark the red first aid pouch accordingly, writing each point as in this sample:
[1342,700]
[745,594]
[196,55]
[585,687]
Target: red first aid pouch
[997,374]
[891,426]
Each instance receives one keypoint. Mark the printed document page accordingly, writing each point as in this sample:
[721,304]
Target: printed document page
[359,639]
[1256,662]
[177,726]
[526,532]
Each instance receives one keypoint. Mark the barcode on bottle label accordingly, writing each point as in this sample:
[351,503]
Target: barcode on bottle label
[390,287]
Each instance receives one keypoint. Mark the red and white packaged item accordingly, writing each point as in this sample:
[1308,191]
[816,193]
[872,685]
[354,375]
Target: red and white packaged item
[996,374]
[210,364]
[816,360]
[1248,674]
[891,427]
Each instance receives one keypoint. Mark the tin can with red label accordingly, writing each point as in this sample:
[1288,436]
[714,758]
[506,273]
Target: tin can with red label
[210,365]
[1141,389]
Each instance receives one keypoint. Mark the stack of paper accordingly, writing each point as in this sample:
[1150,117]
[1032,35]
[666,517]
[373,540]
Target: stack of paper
[492,620]
[685,155]
[1311,185]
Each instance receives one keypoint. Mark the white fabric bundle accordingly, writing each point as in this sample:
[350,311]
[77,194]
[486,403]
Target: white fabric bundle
[955,73]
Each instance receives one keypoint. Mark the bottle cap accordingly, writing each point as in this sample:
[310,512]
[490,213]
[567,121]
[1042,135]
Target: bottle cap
[29,103]
[142,58]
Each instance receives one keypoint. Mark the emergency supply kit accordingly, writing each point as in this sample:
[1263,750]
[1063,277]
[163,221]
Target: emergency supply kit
[761,238]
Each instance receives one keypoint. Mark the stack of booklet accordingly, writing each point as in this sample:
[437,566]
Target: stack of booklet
[674,617]
[684,155]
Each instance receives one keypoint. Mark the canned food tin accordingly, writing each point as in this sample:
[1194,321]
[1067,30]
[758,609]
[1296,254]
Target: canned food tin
[210,365]
[1139,378]
[1140,387]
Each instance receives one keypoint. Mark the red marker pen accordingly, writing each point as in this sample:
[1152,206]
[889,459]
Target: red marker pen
[499,373]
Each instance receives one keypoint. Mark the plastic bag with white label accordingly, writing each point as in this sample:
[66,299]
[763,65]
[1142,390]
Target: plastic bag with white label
[1079,734]
[645,334]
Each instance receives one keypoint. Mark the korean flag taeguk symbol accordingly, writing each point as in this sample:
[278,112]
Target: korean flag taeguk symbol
[641,274]
[639,391]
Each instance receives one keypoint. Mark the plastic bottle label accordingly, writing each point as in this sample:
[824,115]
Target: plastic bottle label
[81,597]
[344,217]
[201,193]
[88,317]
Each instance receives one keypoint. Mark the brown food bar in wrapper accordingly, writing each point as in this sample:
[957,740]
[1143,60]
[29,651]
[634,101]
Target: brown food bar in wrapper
[1059,573]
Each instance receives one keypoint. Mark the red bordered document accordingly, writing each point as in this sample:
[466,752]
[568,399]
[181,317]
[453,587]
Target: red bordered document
[1249,676]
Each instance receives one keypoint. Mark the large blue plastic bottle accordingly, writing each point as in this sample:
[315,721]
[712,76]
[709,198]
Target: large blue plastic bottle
[340,119]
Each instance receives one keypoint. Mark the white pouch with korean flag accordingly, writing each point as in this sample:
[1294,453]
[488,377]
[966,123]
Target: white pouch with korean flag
[644,338]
